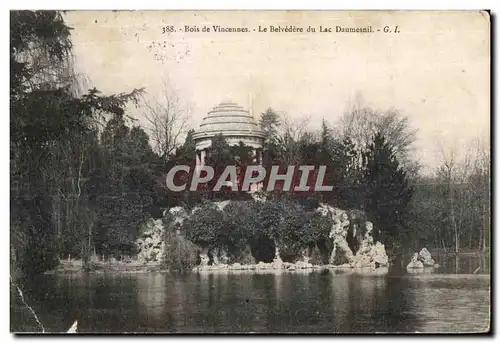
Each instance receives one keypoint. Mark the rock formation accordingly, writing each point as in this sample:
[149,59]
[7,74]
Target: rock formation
[421,260]
[338,233]
[426,258]
[415,263]
[347,227]
[369,254]
[150,245]
[277,261]
[177,214]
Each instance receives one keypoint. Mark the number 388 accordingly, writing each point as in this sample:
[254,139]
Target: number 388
[167,29]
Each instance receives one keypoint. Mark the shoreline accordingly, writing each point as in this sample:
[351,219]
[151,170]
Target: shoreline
[427,272]
[75,267]
[134,267]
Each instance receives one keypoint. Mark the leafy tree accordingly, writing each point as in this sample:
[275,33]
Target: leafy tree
[269,122]
[52,142]
[242,155]
[349,168]
[187,151]
[220,153]
[185,154]
[128,188]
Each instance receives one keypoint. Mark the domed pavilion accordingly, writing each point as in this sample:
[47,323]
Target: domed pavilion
[236,125]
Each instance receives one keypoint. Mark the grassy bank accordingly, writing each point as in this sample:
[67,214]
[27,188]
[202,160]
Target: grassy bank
[76,266]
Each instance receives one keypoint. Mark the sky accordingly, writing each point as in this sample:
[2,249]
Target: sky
[436,70]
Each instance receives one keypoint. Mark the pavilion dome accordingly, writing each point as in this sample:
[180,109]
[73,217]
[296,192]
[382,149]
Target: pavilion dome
[232,121]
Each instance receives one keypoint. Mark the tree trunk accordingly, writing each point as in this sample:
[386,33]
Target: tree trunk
[485,226]
[452,213]
[470,239]
[89,242]
[481,233]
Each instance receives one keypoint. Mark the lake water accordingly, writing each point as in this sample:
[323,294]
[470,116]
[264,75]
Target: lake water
[335,302]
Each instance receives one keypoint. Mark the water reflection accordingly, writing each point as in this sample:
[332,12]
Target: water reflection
[426,270]
[463,263]
[249,302]
[451,304]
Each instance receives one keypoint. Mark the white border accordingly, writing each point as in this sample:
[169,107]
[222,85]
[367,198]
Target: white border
[256,4]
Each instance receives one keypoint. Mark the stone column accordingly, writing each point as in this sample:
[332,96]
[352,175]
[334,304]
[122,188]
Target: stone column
[203,154]
[198,161]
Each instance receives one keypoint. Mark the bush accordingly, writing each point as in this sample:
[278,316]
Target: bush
[286,223]
[240,219]
[204,225]
[295,234]
[180,254]
[319,227]
[241,223]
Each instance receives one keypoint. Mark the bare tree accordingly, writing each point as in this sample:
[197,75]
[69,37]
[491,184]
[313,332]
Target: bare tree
[289,134]
[481,186]
[167,119]
[292,128]
[361,123]
[466,181]
[448,172]
[89,218]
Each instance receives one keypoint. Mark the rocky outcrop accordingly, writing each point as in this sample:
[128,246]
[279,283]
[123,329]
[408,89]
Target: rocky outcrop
[347,227]
[426,258]
[421,260]
[415,263]
[369,254]
[338,233]
[150,245]
[177,214]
